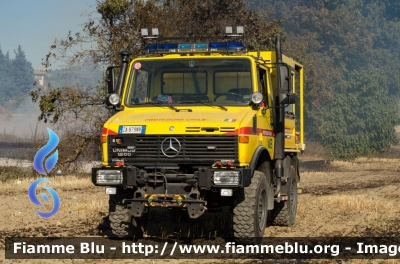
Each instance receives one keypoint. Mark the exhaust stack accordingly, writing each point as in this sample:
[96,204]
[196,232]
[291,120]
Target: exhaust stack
[124,66]
[280,118]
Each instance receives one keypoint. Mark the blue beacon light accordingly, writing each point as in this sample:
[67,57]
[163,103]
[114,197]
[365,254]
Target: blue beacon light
[195,47]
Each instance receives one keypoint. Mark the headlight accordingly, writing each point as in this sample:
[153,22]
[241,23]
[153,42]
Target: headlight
[114,99]
[226,177]
[108,177]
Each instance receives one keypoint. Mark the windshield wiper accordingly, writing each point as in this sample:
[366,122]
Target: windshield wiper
[162,105]
[169,106]
[173,108]
[204,103]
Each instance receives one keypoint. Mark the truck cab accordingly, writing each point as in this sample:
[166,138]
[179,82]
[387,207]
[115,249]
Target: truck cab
[199,126]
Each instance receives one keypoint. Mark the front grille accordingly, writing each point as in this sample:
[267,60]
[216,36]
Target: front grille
[194,149]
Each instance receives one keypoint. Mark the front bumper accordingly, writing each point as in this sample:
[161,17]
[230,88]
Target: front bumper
[203,178]
[171,190]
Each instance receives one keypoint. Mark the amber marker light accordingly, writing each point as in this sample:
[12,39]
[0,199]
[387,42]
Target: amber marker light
[243,139]
[103,139]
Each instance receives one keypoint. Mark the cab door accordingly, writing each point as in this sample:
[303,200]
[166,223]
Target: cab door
[265,118]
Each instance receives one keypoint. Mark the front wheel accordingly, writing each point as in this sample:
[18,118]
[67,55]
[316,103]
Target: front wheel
[251,210]
[122,223]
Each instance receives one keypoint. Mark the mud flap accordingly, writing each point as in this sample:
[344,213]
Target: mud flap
[295,163]
[286,165]
[270,196]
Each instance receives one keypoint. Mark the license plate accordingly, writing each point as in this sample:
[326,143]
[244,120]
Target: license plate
[132,130]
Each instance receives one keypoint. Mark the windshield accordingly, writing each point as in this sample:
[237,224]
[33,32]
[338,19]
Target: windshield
[219,81]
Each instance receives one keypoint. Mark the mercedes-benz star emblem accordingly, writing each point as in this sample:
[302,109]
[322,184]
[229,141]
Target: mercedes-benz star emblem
[170,147]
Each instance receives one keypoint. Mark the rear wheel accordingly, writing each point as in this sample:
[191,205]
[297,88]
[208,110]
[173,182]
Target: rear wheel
[250,211]
[284,213]
[122,223]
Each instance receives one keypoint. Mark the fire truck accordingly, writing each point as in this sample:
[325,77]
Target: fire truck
[200,125]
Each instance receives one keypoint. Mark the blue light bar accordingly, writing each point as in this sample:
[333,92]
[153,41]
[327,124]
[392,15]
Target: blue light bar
[193,47]
[185,47]
[201,45]
[167,47]
[236,46]
[196,47]
[161,48]
[218,46]
[232,46]
[151,48]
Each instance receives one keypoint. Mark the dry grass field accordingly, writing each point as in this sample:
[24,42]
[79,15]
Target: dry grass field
[355,198]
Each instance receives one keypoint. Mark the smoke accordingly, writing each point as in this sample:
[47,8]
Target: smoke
[23,122]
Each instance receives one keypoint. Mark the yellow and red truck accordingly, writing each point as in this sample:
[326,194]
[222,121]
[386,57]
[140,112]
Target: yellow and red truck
[203,125]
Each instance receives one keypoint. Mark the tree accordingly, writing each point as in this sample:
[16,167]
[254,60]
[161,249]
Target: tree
[119,28]
[16,78]
[360,122]
[4,77]
[350,50]
[22,74]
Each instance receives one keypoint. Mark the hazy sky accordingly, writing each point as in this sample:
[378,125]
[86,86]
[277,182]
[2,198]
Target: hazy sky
[34,24]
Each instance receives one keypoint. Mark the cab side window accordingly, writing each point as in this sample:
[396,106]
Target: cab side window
[262,84]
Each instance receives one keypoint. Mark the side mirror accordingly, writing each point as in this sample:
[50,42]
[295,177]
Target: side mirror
[285,84]
[110,79]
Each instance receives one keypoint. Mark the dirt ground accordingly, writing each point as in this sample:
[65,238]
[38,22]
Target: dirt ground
[358,198]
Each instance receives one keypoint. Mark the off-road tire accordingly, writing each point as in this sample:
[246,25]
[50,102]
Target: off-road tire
[284,213]
[250,211]
[122,223]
